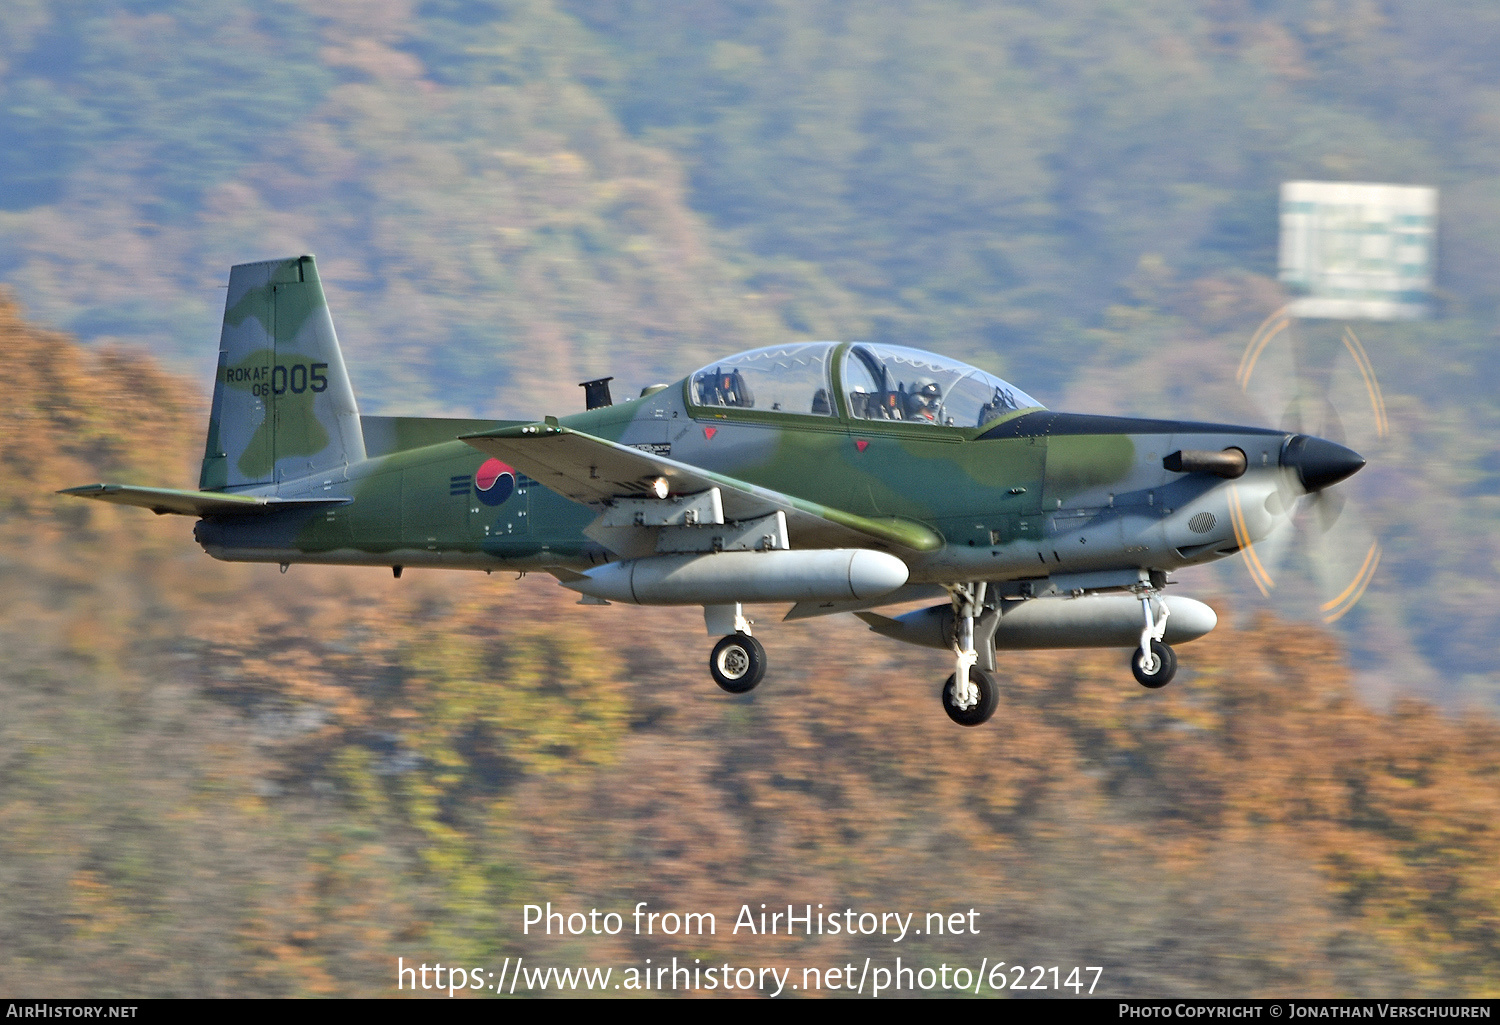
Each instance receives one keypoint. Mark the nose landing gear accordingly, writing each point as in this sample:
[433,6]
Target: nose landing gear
[1157,670]
[1154,663]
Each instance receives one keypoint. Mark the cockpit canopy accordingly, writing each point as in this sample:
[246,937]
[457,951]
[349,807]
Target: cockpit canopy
[875,382]
[778,379]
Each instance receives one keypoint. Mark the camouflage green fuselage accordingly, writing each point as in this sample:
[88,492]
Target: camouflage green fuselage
[1032,494]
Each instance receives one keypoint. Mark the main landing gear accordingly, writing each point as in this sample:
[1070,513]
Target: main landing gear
[1154,663]
[971,694]
[983,692]
[973,701]
[738,661]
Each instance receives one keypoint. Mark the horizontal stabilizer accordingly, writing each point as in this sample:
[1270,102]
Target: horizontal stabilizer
[194,503]
[594,471]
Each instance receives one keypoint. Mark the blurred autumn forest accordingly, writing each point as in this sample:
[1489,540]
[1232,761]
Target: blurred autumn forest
[220,780]
[215,779]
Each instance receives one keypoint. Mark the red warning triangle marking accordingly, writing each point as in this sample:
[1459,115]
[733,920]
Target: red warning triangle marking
[861,444]
[709,432]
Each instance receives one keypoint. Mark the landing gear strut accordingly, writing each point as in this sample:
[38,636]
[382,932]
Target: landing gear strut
[973,700]
[1154,663]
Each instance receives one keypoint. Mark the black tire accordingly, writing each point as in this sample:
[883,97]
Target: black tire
[989,699]
[1166,666]
[738,663]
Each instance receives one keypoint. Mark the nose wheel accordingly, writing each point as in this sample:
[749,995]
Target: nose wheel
[738,663]
[1156,670]
[1154,663]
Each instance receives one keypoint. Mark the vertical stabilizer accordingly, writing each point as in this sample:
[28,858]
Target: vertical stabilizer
[283,408]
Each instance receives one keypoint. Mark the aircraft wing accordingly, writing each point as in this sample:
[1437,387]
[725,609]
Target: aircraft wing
[194,503]
[594,471]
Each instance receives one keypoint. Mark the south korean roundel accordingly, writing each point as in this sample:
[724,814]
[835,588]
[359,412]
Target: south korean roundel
[494,482]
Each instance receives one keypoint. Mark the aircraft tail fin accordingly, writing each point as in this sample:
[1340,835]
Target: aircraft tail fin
[283,407]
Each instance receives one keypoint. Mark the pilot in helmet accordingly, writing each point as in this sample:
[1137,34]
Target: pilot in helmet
[924,401]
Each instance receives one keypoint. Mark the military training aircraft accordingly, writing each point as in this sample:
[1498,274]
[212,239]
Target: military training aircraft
[839,477]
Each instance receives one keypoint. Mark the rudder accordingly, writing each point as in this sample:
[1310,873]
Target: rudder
[283,407]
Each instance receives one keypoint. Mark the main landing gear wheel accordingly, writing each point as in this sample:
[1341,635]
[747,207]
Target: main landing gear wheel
[738,663]
[981,710]
[1159,672]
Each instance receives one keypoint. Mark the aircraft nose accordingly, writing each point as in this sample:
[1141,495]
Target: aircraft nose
[1319,462]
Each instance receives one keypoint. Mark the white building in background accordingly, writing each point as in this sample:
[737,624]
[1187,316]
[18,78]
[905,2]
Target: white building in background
[1358,251]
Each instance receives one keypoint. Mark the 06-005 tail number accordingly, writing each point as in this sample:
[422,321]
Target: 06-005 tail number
[294,377]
